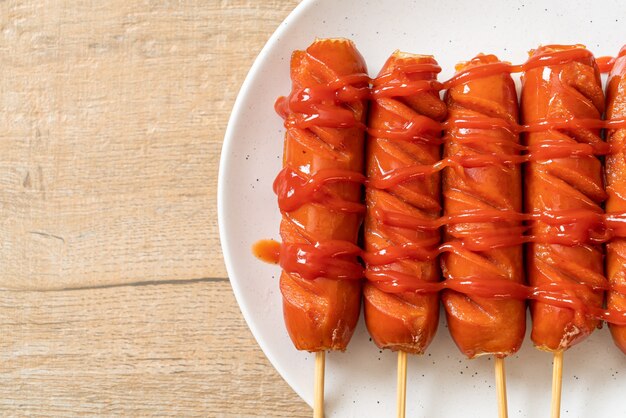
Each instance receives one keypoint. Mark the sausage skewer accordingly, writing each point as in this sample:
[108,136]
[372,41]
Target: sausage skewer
[480,325]
[404,132]
[566,87]
[319,194]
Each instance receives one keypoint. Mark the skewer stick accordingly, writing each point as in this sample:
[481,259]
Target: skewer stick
[557,380]
[318,389]
[501,388]
[401,384]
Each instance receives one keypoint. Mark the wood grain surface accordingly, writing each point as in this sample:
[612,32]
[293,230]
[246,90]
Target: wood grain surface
[114,300]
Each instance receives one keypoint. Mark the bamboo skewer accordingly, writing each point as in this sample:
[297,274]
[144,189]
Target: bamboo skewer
[401,386]
[501,388]
[557,380]
[318,388]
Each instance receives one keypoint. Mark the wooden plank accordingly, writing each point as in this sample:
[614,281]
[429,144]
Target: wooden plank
[113,116]
[168,350]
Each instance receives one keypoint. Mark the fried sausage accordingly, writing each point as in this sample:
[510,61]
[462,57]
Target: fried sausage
[482,325]
[320,188]
[403,320]
[566,88]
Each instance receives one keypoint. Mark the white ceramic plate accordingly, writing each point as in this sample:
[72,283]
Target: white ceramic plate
[361,382]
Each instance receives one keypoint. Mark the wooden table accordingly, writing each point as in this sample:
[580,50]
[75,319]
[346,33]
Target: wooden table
[114,299]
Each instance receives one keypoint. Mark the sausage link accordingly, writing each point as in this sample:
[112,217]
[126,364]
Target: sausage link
[481,325]
[404,320]
[565,90]
[321,313]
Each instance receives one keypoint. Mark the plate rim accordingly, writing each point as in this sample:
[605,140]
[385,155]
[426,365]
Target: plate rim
[224,166]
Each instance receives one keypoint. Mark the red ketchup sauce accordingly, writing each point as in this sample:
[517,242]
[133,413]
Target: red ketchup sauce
[320,106]
[267,250]
[293,190]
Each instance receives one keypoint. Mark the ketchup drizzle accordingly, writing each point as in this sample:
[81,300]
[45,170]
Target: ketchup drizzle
[325,106]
